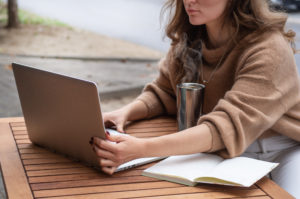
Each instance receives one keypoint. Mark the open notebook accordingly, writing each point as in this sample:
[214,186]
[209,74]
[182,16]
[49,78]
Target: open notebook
[209,168]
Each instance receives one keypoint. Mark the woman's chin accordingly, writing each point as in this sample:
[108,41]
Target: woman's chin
[195,22]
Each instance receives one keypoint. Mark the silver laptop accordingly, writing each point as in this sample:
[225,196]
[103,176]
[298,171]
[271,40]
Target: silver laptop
[62,113]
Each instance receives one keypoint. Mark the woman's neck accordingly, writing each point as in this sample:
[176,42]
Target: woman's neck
[218,34]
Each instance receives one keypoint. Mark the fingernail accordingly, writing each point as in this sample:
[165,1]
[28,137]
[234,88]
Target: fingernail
[91,141]
[107,133]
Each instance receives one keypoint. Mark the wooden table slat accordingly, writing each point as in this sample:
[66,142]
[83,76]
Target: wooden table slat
[48,155]
[33,151]
[83,176]
[152,130]
[90,182]
[20,132]
[64,171]
[152,126]
[26,141]
[105,188]
[46,160]
[28,146]
[9,120]
[176,192]
[273,189]
[13,124]
[18,128]
[127,187]
[38,167]
[70,165]
[256,197]
[21,137]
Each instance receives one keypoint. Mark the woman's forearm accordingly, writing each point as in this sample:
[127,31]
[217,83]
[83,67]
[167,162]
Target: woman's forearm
[193,140]
[136,110]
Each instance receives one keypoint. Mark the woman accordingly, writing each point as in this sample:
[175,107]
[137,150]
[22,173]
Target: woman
[240,51]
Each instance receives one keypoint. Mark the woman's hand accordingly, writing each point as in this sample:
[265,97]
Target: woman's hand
[116,118]
[116,150]
[134,111]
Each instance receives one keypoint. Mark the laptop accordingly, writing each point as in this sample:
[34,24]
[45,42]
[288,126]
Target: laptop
[62,113]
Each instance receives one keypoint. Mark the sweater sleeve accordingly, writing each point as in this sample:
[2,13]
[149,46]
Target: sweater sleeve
[159,96]
[266,86]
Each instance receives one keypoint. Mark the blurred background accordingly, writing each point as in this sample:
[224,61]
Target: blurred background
[136,21]
[91,39]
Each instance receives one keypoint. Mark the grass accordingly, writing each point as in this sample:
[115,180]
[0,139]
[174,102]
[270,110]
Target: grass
[29,18]
[26,17]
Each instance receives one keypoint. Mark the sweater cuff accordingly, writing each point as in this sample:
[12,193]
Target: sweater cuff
[154,107]
[217,143]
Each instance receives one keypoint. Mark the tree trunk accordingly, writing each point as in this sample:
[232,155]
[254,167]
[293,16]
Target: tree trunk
[12,10]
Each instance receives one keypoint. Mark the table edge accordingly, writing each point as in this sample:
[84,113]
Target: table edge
[272,189]
[11,165]
[11,119]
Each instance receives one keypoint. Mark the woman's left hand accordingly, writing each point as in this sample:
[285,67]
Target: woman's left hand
[116,150]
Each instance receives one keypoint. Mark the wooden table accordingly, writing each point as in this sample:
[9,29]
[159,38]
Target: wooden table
[33,172]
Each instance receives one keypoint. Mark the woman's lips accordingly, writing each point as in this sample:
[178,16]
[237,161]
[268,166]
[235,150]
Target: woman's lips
[191,11]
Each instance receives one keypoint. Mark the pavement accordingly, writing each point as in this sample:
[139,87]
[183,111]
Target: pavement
[116,78]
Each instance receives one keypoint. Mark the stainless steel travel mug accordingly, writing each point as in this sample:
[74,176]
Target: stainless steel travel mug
[190,97]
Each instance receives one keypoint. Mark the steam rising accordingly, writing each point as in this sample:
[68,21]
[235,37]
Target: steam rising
[191,57]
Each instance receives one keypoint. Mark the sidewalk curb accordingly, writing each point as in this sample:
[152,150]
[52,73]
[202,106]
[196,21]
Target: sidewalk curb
[120,59]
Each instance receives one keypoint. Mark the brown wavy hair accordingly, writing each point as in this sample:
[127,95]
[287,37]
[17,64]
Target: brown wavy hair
[245,16]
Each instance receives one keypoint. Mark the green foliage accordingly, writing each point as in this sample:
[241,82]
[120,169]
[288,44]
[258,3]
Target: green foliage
[29,18]
[3,13]
[26,17]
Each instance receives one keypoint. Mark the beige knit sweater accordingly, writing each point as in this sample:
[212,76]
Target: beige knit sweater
[255,92]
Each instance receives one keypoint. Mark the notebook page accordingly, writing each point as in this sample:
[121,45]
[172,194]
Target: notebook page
[242,170]
[186,166]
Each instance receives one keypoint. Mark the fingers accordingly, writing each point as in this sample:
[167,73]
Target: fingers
[103,153]
[107,163]
[104,150]
[115,119]
[113,152]
[103,144]
[109,170]
[116,138]
[120,127]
